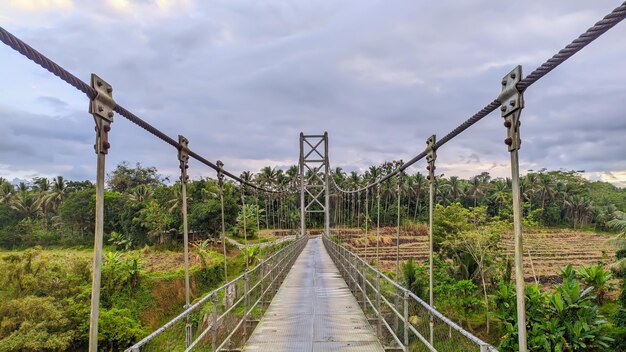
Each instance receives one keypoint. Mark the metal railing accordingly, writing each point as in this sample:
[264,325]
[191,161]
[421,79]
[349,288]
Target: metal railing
[224,318]
[400,318]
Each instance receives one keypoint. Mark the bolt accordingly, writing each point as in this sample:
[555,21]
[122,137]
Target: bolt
[100,108]
[99,84]
[428,167]
[110,114]
[513,75]
[503,108]
[508,141]
[106,145]
[512,103]
[107,128]
[109,90]
[507,124]
[504,82]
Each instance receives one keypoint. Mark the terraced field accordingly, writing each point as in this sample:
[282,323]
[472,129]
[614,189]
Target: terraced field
[544,252]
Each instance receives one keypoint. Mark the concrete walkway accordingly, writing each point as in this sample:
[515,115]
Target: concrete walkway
[313,311]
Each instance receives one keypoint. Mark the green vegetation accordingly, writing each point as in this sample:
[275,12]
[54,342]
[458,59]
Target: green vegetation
[46,231]
[44,302]
[473,277]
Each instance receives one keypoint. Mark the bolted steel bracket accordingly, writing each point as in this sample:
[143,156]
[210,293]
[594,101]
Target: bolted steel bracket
[431,157]
[183,157]
[220,174]
[101,107]
[512,101]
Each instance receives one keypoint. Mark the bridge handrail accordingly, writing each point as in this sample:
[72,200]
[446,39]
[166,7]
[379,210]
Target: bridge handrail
[484,347]
[288,254]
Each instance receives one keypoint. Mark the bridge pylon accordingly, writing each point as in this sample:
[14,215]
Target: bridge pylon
[314,173]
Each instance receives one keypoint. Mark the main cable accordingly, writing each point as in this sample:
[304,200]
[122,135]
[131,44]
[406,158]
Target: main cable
[609,21]
[32,54]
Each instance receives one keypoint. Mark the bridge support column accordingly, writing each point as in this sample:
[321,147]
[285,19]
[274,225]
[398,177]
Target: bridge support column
[101,107]
[430,158]
[183,158]
[512,101]
[314,161]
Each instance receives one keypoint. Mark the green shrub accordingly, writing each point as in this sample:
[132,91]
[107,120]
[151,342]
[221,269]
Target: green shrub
[118,329]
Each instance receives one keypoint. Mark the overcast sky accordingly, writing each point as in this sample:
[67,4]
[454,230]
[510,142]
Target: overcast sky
[241,79]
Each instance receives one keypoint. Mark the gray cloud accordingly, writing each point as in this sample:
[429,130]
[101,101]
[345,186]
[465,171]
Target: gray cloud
[241,80]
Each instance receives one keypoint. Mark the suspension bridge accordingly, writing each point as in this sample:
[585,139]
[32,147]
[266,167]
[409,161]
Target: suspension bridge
[314,294]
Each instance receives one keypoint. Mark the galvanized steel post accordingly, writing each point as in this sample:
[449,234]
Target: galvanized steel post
[406,320]
[220,180]
[430,158]
[326,196]
[301,164]
[246,303]
[214,326]
[183,158]
[512,101]
[364,283]
[379,313]
[245,231]
[101,107]
[367,220]
[377,224]
[398,226]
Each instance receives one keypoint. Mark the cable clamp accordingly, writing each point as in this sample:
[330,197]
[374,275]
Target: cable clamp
[183,158]
[431,156]
[101,107]
[512,101]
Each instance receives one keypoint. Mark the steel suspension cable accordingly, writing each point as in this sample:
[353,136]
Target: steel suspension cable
[601,27]
[29,52]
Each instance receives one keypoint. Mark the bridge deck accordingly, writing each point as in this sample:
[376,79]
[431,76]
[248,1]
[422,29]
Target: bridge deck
[313,311]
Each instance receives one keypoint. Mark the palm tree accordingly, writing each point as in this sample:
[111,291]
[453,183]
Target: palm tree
[578,209]
[247,176]
[545,187]
[619,224]
[292,175]
[501,194]
[141,194]
[455,188]
[476,189]
[6,192]
[420,180]
[41,184]
[267,177]
[26,205]
[57,193]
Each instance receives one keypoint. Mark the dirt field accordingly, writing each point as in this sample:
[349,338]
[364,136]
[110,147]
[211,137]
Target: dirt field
[548,251]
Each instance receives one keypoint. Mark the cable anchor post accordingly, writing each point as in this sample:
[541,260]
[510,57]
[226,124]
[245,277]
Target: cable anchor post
[183,158]
[101,107]
[220,182]
[512,103]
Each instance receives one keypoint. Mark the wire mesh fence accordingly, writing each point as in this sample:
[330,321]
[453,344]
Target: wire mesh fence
[401,319]
[225,318]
